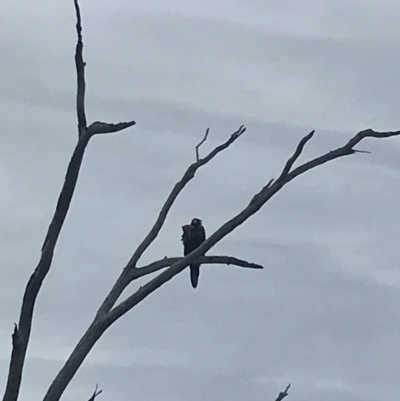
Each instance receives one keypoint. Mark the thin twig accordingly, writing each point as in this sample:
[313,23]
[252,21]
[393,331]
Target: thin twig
[362,151]
[283,394]
[296,154]
[201,143]
[95,393]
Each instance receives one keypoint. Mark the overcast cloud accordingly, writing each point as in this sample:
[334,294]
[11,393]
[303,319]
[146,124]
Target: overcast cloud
[324,313]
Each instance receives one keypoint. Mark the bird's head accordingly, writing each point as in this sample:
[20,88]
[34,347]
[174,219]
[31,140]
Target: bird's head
[196,222]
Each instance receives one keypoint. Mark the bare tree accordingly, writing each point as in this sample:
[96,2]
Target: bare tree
[110,311]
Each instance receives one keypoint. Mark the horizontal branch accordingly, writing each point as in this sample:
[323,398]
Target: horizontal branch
[205,260]
[99,127]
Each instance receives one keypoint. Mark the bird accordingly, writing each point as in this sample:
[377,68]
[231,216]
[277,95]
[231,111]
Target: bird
[193,236]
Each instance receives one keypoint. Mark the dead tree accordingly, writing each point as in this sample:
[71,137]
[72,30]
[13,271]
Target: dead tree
[110,311]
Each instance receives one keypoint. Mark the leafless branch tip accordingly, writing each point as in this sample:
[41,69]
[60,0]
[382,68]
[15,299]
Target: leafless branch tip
[99,127]
[296,155]
[201,143]
[15,334]
[240,131]
[78,20]
[283,394]
[362,151]
[80,70]
[95,393]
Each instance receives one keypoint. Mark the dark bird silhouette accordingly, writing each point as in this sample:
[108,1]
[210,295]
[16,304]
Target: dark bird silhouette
[193,236]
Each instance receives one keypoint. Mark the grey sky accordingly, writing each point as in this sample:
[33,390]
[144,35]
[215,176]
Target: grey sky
[324,313]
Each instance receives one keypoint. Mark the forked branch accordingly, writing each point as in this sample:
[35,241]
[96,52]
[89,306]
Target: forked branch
[201,143]
[96,393]
[296,155]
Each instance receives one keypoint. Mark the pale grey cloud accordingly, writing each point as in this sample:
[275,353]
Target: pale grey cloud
[323,313]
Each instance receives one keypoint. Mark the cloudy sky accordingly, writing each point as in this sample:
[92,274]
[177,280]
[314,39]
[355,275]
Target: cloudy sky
[324,313]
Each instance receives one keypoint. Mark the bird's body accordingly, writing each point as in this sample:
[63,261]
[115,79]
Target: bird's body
[193,236]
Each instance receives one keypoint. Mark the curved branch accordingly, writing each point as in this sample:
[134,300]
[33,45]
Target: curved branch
[205,260]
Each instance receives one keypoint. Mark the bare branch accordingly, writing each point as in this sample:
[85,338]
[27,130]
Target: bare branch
[80,71]
[22,330]
[99,127]
[205,260]
[201,143]
[95,393]
[296,155]
[103,321]
[345,150]
[123,280]
[370,133]
[283,394]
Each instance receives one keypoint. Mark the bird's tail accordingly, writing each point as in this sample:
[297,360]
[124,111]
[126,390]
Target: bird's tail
[194,274]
